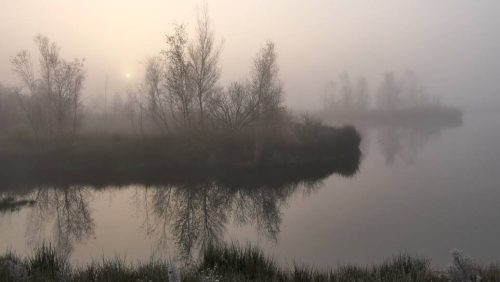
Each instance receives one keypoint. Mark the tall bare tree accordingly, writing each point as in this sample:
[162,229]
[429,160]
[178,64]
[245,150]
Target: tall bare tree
[204,56]
[362,97]
[389,93]
[346,90]
[178,74]
[265,84]
[158,100]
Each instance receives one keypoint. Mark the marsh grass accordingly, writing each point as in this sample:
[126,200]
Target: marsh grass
[234,263]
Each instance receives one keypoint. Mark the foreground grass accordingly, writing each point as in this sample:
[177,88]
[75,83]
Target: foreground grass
[233,263]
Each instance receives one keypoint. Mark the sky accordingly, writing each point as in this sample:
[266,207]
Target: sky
[452,45]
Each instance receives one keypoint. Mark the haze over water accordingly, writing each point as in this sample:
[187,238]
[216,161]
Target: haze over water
[136,156]
[415,191]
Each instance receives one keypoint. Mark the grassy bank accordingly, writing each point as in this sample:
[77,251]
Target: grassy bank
[234,263]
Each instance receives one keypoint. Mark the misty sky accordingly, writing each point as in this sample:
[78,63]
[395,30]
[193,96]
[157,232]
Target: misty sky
[454,45]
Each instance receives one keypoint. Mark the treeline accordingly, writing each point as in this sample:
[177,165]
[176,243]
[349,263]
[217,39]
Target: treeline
[180,112]
[394,92]
[399,97]
[181,90]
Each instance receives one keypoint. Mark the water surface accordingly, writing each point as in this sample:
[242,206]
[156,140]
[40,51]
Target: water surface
[425,190]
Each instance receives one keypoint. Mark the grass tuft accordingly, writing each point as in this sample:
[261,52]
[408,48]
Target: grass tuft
[234,263]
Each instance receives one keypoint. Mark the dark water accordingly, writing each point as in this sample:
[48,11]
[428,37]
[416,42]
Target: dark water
[425,190]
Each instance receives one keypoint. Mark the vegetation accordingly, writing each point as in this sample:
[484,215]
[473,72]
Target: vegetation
[233,263]
[400,100]
[180,116]
[109,156]
[51,102]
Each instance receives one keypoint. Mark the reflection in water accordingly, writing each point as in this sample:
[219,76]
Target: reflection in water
[196,215]
[65,211]
[191,213]
[188,213]
[405,142]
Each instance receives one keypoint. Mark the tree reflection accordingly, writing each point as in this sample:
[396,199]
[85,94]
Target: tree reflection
[189,208]
[398,142]
[195,215]
[63,212]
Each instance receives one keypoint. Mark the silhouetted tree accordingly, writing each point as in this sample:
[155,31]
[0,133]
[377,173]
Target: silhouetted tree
[389,93]
[51,101]
[265,84]
[10,111]
[233,108]
[346,91]
[412,91]
[330,96]
[158,100]
[362,97]
[177,77]
[204,59]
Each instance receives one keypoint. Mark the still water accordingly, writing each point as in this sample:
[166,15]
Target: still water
[422,190]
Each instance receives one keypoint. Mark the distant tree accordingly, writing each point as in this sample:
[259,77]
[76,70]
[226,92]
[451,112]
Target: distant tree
[346,91]
[362,97]
[413,91]
[9,109]
[3,114]
[330,96]
[52,101]
[389,93]
[346,97]
[158,99]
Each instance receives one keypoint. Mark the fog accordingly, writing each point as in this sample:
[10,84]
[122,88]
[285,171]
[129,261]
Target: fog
[318,133]
[451,45]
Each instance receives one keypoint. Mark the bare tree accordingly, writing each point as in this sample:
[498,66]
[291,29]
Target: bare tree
[178,74]
[204,56]
[52,101]
[346,91]
[259,103]
[22,65]
[413,91]
[265,84]
[389,93]
[157,98]
[233,108]
[9,110]
[362,97]
[169,84]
